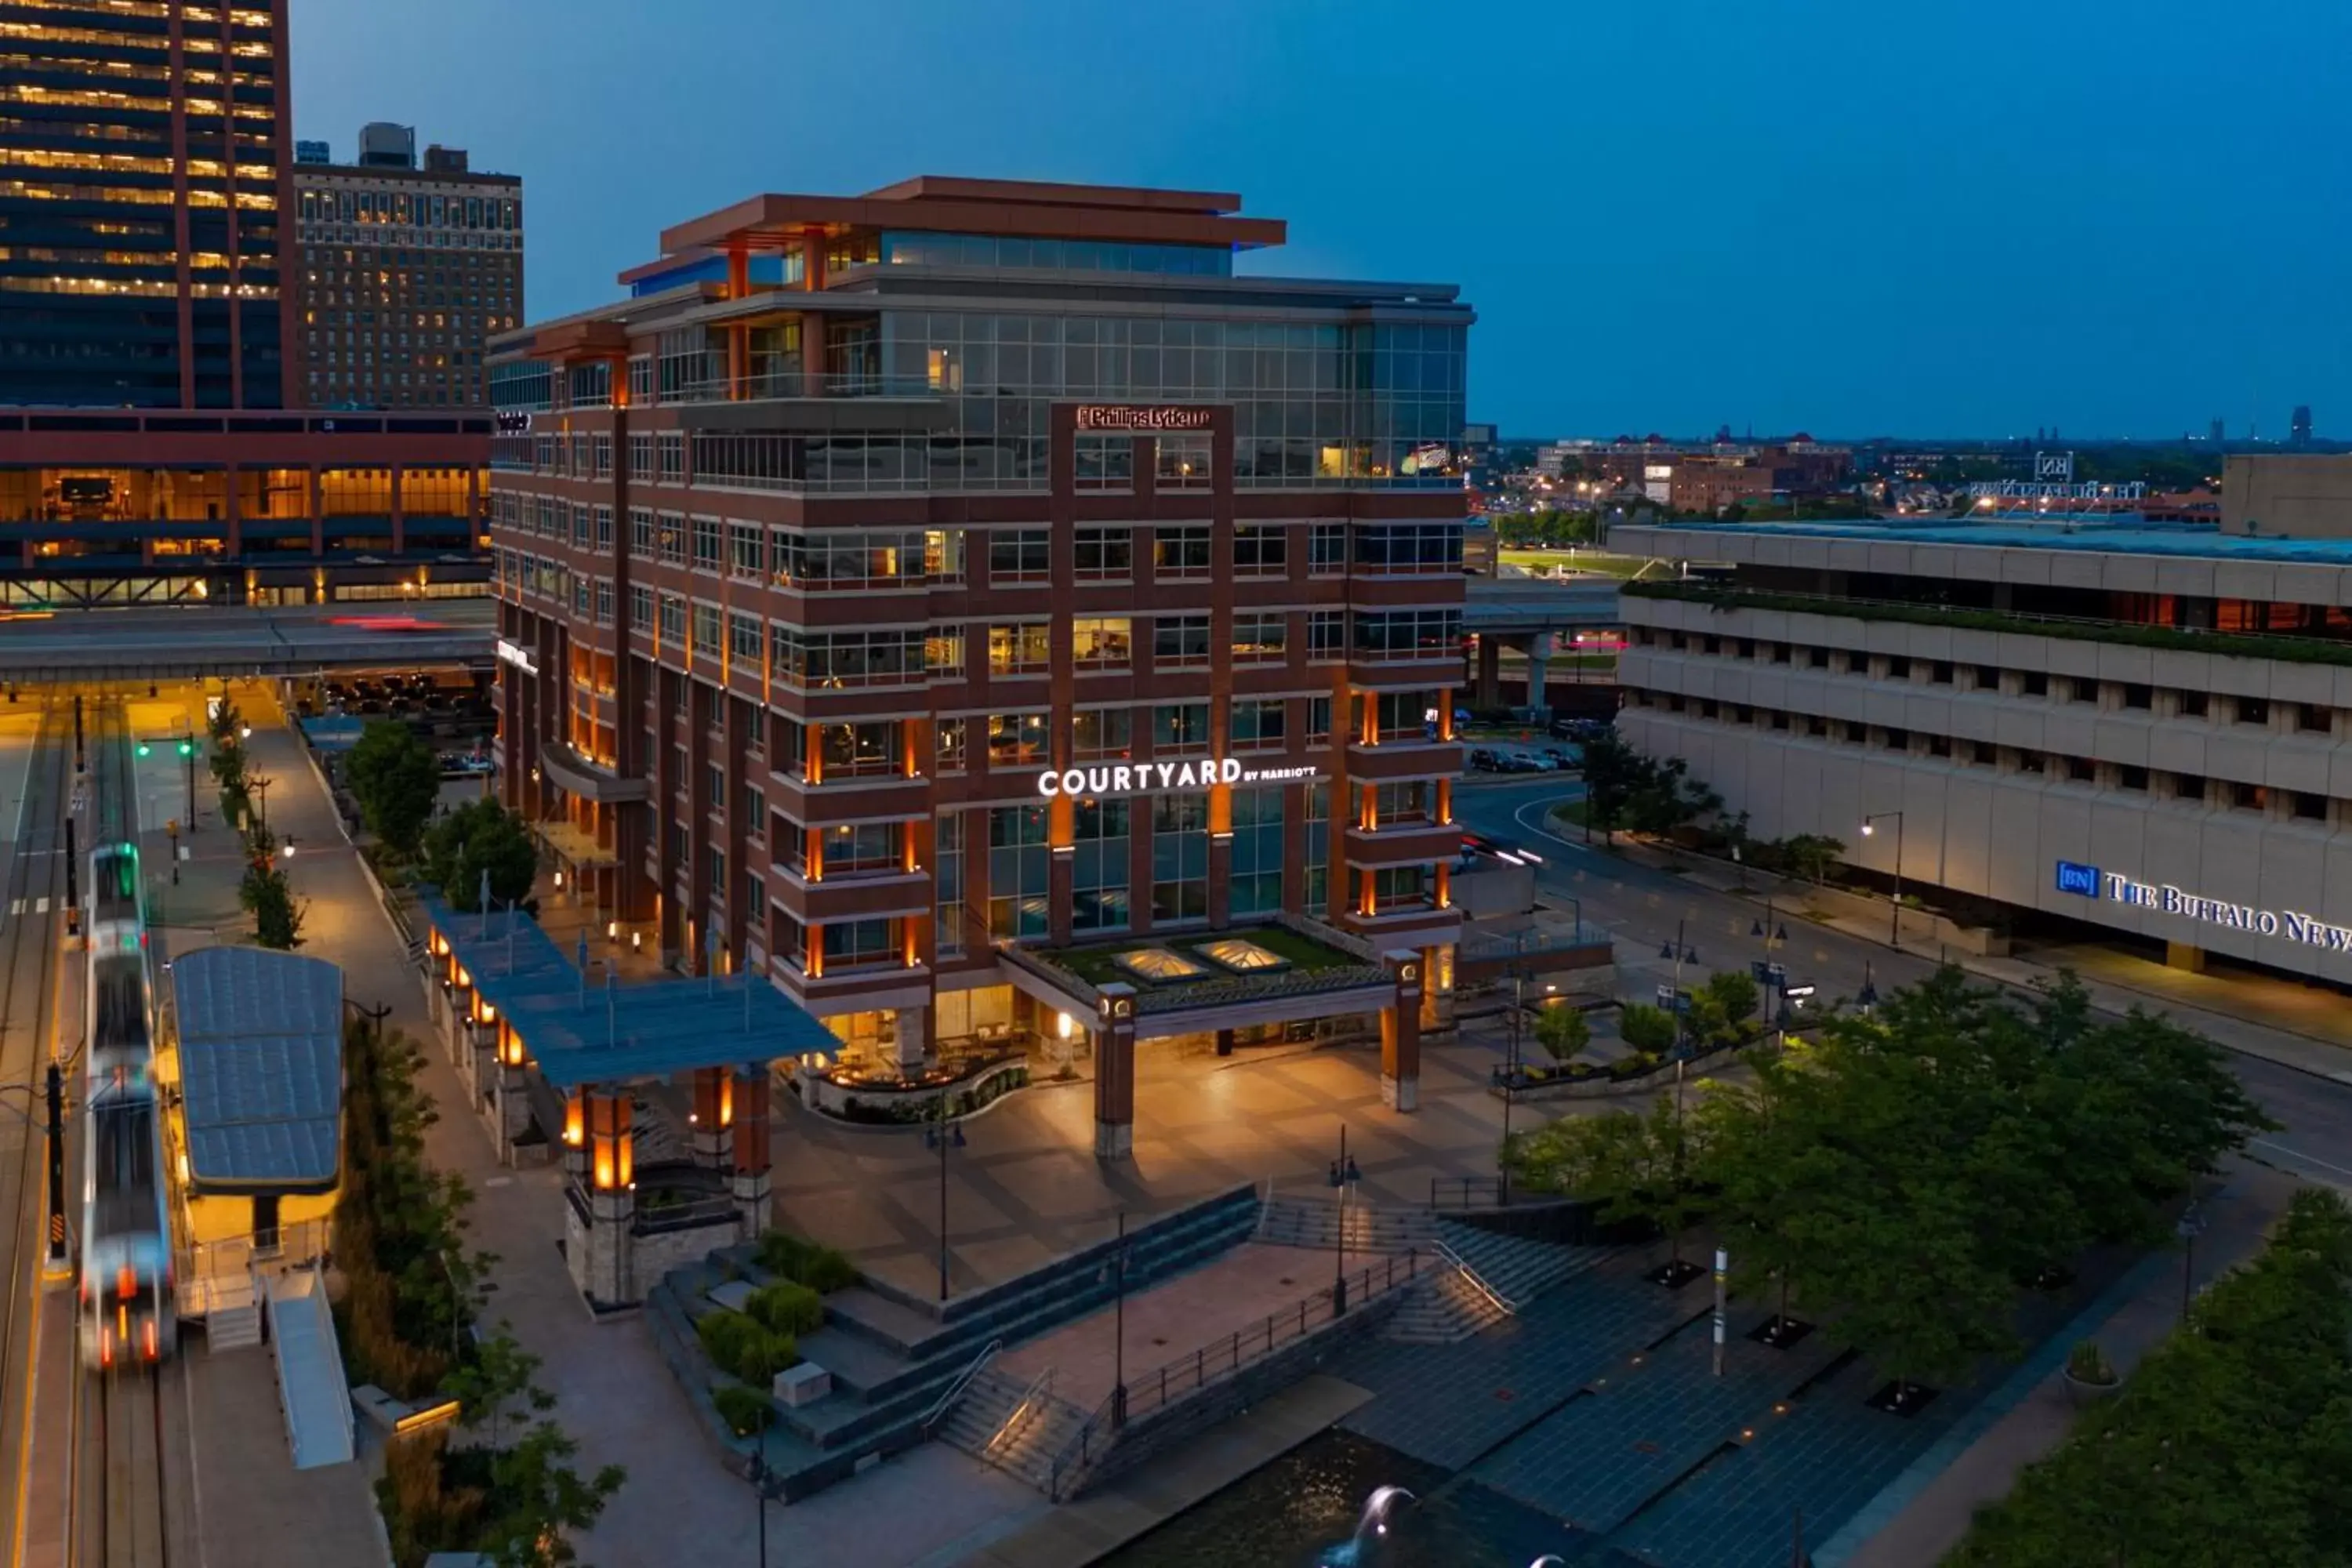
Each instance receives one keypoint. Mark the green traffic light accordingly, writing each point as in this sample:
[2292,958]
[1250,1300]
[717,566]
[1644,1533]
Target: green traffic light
[143,748]
[187,749]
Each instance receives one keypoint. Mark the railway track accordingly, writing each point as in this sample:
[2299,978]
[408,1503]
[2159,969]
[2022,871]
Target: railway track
[121,1476]
[31,915]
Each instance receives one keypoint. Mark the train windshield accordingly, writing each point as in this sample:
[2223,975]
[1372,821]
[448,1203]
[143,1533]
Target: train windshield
[123,1161]
[119,1015]
[114,883]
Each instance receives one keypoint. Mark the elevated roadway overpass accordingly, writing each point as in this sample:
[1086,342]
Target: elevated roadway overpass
[185,643]
[1532,614]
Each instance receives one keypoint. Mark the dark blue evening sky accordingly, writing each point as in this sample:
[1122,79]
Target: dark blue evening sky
[1849,216]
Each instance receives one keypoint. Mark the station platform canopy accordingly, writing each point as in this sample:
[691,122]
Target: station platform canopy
[261,1069]
[609,1030]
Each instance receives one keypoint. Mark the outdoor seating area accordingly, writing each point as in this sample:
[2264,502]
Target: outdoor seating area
[537,1043]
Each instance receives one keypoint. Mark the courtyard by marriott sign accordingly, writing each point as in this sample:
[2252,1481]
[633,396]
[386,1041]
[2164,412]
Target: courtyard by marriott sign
[1144,416]
[1148,778]
[2114,886]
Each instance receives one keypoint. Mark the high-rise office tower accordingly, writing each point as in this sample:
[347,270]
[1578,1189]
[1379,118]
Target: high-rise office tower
[2298,425]
[404,274]
[150,147]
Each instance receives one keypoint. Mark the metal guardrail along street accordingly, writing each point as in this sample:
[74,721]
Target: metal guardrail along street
[1177,1381]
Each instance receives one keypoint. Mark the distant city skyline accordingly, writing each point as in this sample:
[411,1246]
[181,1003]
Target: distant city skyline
[1813,223]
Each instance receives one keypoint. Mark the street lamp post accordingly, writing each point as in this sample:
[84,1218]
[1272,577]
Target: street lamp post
[2191,1226]
[1119,1330]
[261,782]
[1680,951]
[1895,932]
[939,1136]
[1510,1078]
[1775,934]
[1344,1173]
[1867,997]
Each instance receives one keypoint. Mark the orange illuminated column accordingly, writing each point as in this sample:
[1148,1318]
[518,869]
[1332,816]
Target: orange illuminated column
[1401,1033]
[750,1086]
[1446,803]
[710,1116]
[1061,864]
[575,1135]
[1115,1072]
[612,1157]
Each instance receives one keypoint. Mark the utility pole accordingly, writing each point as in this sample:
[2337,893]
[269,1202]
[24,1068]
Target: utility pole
[57,1166]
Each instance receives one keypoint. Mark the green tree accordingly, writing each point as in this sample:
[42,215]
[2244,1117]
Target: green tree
[1810,854]
[396,779]
[537,1499]
[1722,1005]
[480,835]
[1563,1031]
[225,721]
[1631,1165]
[489,1384]
[266,897]
[1650,1030]
[1612,772]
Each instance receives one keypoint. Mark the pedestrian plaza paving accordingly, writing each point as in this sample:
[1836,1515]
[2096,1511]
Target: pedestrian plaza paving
[1597,1405]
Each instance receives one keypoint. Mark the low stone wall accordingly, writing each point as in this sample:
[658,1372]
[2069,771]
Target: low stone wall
[912,1106]
[1187,1418]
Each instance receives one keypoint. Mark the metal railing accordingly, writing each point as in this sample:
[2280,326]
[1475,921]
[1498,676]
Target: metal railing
[233,1271]
[1033,1401]
[1465,1191]
[932,1417]
[1461,1266]
[1172,1383]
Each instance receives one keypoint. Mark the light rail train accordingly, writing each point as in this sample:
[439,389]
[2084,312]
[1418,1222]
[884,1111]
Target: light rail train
[126,1229]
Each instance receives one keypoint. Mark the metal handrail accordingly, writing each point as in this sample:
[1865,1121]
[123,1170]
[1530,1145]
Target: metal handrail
[1032,1401]
[1467,1186]
[1508,1308]
[962,1382]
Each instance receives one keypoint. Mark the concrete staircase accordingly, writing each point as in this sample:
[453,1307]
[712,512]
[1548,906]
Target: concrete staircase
[1017,1428]
[893,1354]
[1317,1222]
[1445,1306]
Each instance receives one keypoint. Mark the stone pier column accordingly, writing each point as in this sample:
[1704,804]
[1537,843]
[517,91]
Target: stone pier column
[752,1154]
[1538,655]
[513,1107]
[1401,1033]
[600,1244]
[1114,1035]
[575,1138]
[913,1042]
[713,1108]
[1490,670]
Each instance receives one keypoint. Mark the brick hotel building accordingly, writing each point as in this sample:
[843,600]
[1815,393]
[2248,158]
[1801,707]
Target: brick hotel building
[154,445]
[889,581]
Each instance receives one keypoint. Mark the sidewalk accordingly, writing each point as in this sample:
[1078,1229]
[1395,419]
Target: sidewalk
[2303,1027]
[1925,1514]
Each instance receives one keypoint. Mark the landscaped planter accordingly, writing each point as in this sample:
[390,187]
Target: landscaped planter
[886,1105]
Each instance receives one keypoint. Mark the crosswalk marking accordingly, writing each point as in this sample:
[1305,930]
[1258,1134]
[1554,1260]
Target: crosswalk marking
[16,906]
[41,905]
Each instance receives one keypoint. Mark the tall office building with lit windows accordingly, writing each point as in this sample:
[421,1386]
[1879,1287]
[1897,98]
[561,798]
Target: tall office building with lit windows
[151,442]
[944,599]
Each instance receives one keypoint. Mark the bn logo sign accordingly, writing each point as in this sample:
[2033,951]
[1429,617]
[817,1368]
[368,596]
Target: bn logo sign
[2054,467]
[2082,880]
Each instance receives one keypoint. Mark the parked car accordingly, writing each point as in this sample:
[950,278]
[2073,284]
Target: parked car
[1482,758]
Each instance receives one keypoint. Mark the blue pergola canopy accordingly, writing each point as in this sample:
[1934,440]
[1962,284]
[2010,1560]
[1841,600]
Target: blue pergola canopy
[613,1031]
[261,1069]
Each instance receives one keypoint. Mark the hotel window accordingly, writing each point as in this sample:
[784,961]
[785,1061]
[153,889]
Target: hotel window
[1020,555]
[1105,554]
[1180,856]
[1180,729]
[947,860]
[1318,721]
[1017,740]
[641,608]
[1398,886]
[2084,690]
[1098,865]
[863,849]
[1103,463]
[584,526]
[2033,683]
[1105,643]
[1399,805]
[1102,735]
[2249,797]
[2194,705]
[1019,647]
[706,631]
[851,943]
[843,660]
[1327,549]
[2082,769]
[943,652]
[673,621]
[747,551]
[1180,640]
[1254,884]
[1017,874]
[671,445]
[604,601]
[2138,694]
[855,750]
[1403,715]
[1257,723]
[603,528]
[1183,463]
[1898,668]
[1327,635]
[2252,711]
[743,640]
[1386,548]
[2132,777]
[755,809]
[2033,762]
[755,901]
[943,554]
[1261,637]
[601,446]
[2189,787]
[706,545]
[1261,549]
[641,387]
[2310,807]
[2315,718]
[1815,657]
[949,745]
[1180,551]
[669,534]
[1380,635]
[714,788]
[1317,849]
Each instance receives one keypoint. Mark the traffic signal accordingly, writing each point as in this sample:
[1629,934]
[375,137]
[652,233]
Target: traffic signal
[143,748]
[187,748]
